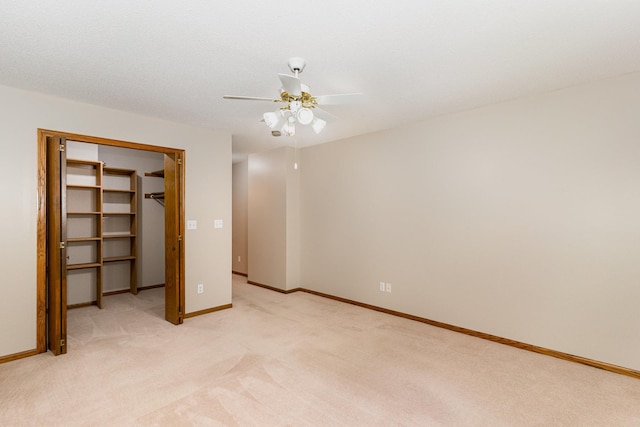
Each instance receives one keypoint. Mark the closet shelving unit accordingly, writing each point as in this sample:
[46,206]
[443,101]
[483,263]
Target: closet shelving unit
[120,230]
[84,220]
[101,221]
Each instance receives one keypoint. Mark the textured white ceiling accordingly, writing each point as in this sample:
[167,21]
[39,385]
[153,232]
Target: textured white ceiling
[413,59]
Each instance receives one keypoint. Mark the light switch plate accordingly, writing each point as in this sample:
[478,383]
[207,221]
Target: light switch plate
[217,223]
[192,224]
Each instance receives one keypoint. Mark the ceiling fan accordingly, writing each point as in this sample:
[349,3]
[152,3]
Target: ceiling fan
[300,106]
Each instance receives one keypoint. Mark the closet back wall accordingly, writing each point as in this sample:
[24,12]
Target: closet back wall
[150,217]
[150,241]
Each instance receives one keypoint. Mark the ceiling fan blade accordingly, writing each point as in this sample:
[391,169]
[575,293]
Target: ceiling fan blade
[343,98]
[324,115]
[251,98]
[291,84]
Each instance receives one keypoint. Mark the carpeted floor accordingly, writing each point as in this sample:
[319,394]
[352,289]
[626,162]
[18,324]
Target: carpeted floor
[299,360]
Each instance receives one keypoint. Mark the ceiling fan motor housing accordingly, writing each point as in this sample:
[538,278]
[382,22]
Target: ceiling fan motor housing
[297,64]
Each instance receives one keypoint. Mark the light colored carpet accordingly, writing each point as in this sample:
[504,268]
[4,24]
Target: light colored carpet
[299,360]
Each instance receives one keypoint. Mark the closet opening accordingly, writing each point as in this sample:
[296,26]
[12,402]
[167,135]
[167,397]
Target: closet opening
[101,231]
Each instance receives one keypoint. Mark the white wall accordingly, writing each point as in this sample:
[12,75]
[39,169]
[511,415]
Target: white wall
[208,197]
[83,151]
[273,219]
[293,219]
[520,220]
[267,218]
[240,201]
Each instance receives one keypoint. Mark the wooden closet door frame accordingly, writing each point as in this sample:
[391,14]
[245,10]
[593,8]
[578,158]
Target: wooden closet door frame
[42,241]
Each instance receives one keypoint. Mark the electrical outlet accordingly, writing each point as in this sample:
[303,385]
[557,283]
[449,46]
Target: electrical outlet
[388,287]
[382,287]
[200,288]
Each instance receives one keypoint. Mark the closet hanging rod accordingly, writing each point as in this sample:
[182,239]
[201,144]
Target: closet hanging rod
[158,197]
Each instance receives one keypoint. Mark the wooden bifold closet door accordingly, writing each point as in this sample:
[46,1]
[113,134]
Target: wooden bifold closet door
[56,241]
[173,235]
